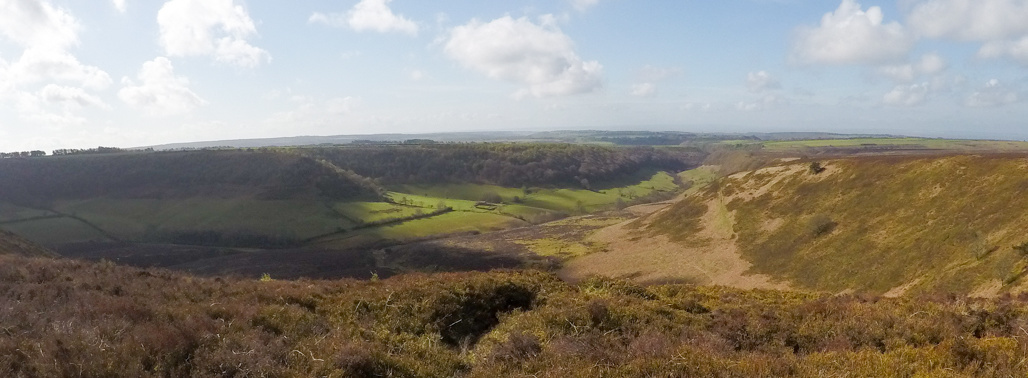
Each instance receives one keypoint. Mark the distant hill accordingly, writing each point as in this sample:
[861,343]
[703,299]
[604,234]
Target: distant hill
[344,139]
[217,174]
[11,244]
[559,136]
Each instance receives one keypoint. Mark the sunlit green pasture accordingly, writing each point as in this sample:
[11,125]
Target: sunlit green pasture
[368,212]
[462,197]
[448,223]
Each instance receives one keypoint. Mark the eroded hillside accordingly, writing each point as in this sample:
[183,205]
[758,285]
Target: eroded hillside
[888,225]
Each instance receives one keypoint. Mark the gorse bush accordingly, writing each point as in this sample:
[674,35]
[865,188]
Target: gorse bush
[821,224]
[816,167]
[68,318]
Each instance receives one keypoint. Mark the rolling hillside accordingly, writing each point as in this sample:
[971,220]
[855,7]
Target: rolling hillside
[887,225]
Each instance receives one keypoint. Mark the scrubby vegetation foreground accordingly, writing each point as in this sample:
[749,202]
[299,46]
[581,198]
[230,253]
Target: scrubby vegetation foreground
[70,318]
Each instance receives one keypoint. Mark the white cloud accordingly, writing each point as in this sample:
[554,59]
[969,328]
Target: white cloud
[992,94]
[761,81]
[73,96]
[930,64]
[648,77]
[216,28]
[119,5]
[851,35]
[539,56]
[368,15]
[907,95]
[767,102]
[999,24]
[160,92]
[697,106]
[644,90]
[583,5]
[969,20]
[311,112]
[46,32]
[37,24]
[36,65]
[33,108]
[1016,50]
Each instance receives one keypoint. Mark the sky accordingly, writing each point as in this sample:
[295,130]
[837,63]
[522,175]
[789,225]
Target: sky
[129,73]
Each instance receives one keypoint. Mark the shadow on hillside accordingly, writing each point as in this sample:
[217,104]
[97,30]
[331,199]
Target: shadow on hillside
[302,263]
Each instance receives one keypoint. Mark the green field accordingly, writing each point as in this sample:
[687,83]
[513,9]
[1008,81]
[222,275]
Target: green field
[526,212]
[9,212]
[429,202]
[537,204]
[562,200]
[699,177]
[368,212]
[449,223]
[130,218]
[470,192]
[55,231]
[577,200]
[301,219]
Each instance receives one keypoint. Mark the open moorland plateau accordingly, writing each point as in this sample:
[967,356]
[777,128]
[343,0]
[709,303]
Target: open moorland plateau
[566,254]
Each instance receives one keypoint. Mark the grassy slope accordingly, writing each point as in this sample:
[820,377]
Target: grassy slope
[935,223]
[102,320]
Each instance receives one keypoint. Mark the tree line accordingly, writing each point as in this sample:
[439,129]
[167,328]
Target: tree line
[92,151]
[22,154]
[66,152]
[506,164]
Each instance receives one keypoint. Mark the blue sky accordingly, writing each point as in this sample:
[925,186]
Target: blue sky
[132,73]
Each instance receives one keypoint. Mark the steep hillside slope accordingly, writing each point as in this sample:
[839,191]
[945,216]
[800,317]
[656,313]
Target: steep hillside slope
[890,225]
[11,244]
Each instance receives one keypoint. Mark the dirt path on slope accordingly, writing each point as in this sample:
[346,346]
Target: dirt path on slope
[646,258]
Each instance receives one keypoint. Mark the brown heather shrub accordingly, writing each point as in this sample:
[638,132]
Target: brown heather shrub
[69,318]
